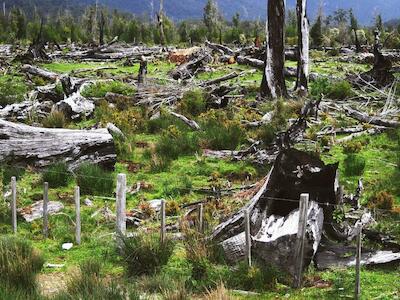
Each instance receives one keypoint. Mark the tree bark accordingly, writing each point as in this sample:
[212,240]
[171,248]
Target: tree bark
[23,145]
[273,84]
[303,46]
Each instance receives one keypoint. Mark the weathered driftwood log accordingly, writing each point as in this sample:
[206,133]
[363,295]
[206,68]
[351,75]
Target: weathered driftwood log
[192,67]
[35,211]
[259,64]
[23,145]
[220,79]
[191,123]
[92,52]
[25,110]
[333,255]
[362,117]
[40,72]
[224,50]
[76,106]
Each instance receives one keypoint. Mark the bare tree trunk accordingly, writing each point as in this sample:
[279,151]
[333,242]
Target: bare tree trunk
[273,84]
[303,46]
[357,41]
[102,28]
[160,18]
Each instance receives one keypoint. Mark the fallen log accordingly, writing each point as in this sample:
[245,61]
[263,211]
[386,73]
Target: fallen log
[192,67]
[333,255]
[191,123]
[220,79]
[23,145]
[76,106]
[40,72]
[224,50]
[362,117]
[25,110]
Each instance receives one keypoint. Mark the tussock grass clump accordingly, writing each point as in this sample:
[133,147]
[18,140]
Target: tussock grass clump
[57,175]
[193,103]
[144,254]
[221,132]
[93,180]
[100,89]
[382,200]
[174,143]
[255,278]
[7,171]
[354,165]
[88,284]
[19,264]
[352,147]
[56,119]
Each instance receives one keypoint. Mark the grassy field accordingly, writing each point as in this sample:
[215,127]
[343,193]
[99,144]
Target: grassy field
[180,179]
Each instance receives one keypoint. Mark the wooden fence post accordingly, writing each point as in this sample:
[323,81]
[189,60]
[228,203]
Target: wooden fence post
[247,236]
[77,216]
[201,216]
[45,215]
[14,204]
[301,234]
[162,213]
[121,204]
[358,266]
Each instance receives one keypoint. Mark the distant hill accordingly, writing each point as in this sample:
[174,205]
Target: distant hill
[365,10]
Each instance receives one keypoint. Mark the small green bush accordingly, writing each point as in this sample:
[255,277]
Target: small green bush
[221,132]
[88,284]
[19,263]
[352,147]
[56,119]
[354,165]
[193,103]
[93,180]
[143,254]
[12,89]
[340,90]
[174,143]
[382,200]
[57,175]
[9,171]
[100,89]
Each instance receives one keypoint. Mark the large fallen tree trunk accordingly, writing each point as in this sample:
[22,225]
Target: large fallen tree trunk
[40,72]
[371,120]
[191,68]
[23,145]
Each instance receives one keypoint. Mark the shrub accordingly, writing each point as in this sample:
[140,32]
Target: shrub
[174,143]
[87,284]
[19,263]
[267,133]
[382,200]
[127,120]
[12,89]
[340,90]
[9,171]
[193,103]
[100,89]
[221,132]
[57,175]
[354,165]
[143,254]
[352,147]
[56,119]
[172,208]
[93,180]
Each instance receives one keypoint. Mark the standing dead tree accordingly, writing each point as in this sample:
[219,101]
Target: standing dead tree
[273,83]
[303,46]
[160,19]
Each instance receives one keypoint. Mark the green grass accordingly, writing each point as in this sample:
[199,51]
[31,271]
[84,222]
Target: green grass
[12,89]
